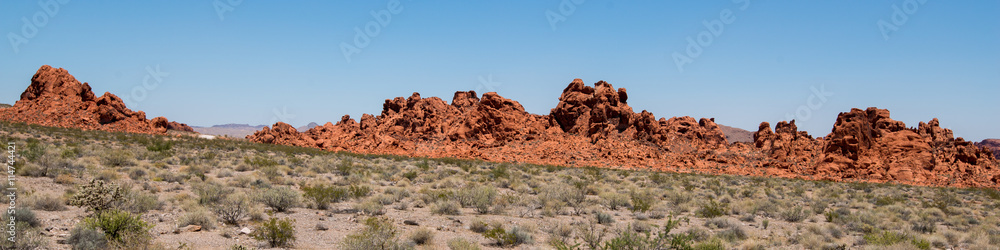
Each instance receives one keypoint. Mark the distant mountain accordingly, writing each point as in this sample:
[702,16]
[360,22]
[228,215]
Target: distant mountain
[4,105]
[307,127]
[736,134]
[230,130]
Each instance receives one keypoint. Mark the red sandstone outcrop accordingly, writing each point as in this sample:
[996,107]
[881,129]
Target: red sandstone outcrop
[595,126]
[56,98]
[991,144]
[869,145]
[590,126]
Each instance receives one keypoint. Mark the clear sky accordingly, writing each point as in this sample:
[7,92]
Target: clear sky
[230,61]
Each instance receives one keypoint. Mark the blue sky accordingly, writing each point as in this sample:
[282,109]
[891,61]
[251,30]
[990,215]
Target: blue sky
[244,61]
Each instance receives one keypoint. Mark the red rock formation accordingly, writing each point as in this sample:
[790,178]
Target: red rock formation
[991,144]
[56,98]
[869,145]
[590,126]
[594,126]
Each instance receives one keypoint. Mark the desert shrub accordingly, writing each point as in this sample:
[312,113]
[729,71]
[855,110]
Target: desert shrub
[614,200]
[712,209]
[370,206]
[139,202]
[119,227]
[733,234]
[604,218]
[210,193]
[359,191]
[159,146]
[170,176]
[258,162]
[422,236]
[232,209]
[884,238]
[199,217]
[322,195]
[136,174]
[479,226]
[97,196]
[83,237]
[277,233]
[446,207]
[796,214]
[642,201]
[479,197]
[462,244]
[280,198]
[117,158]
[49,203]
[508,238]
[713,244]
[22,214]
[378,233]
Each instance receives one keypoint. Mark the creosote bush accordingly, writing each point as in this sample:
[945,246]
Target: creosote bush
[378,233]
[120,227]
[322,195]
[277,233]
[280,198]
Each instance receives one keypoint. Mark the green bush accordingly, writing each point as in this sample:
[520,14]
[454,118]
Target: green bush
[604,218]
[712,209]
[359,191]
[884,238]
[322,195]
[277,233]
[119,227]
[280,198]
[117,158]
[83,237]
[378,233]
[642,201]
[508,238]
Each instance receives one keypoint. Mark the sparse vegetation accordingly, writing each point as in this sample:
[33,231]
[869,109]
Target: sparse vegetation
[200,182]
[275,232]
